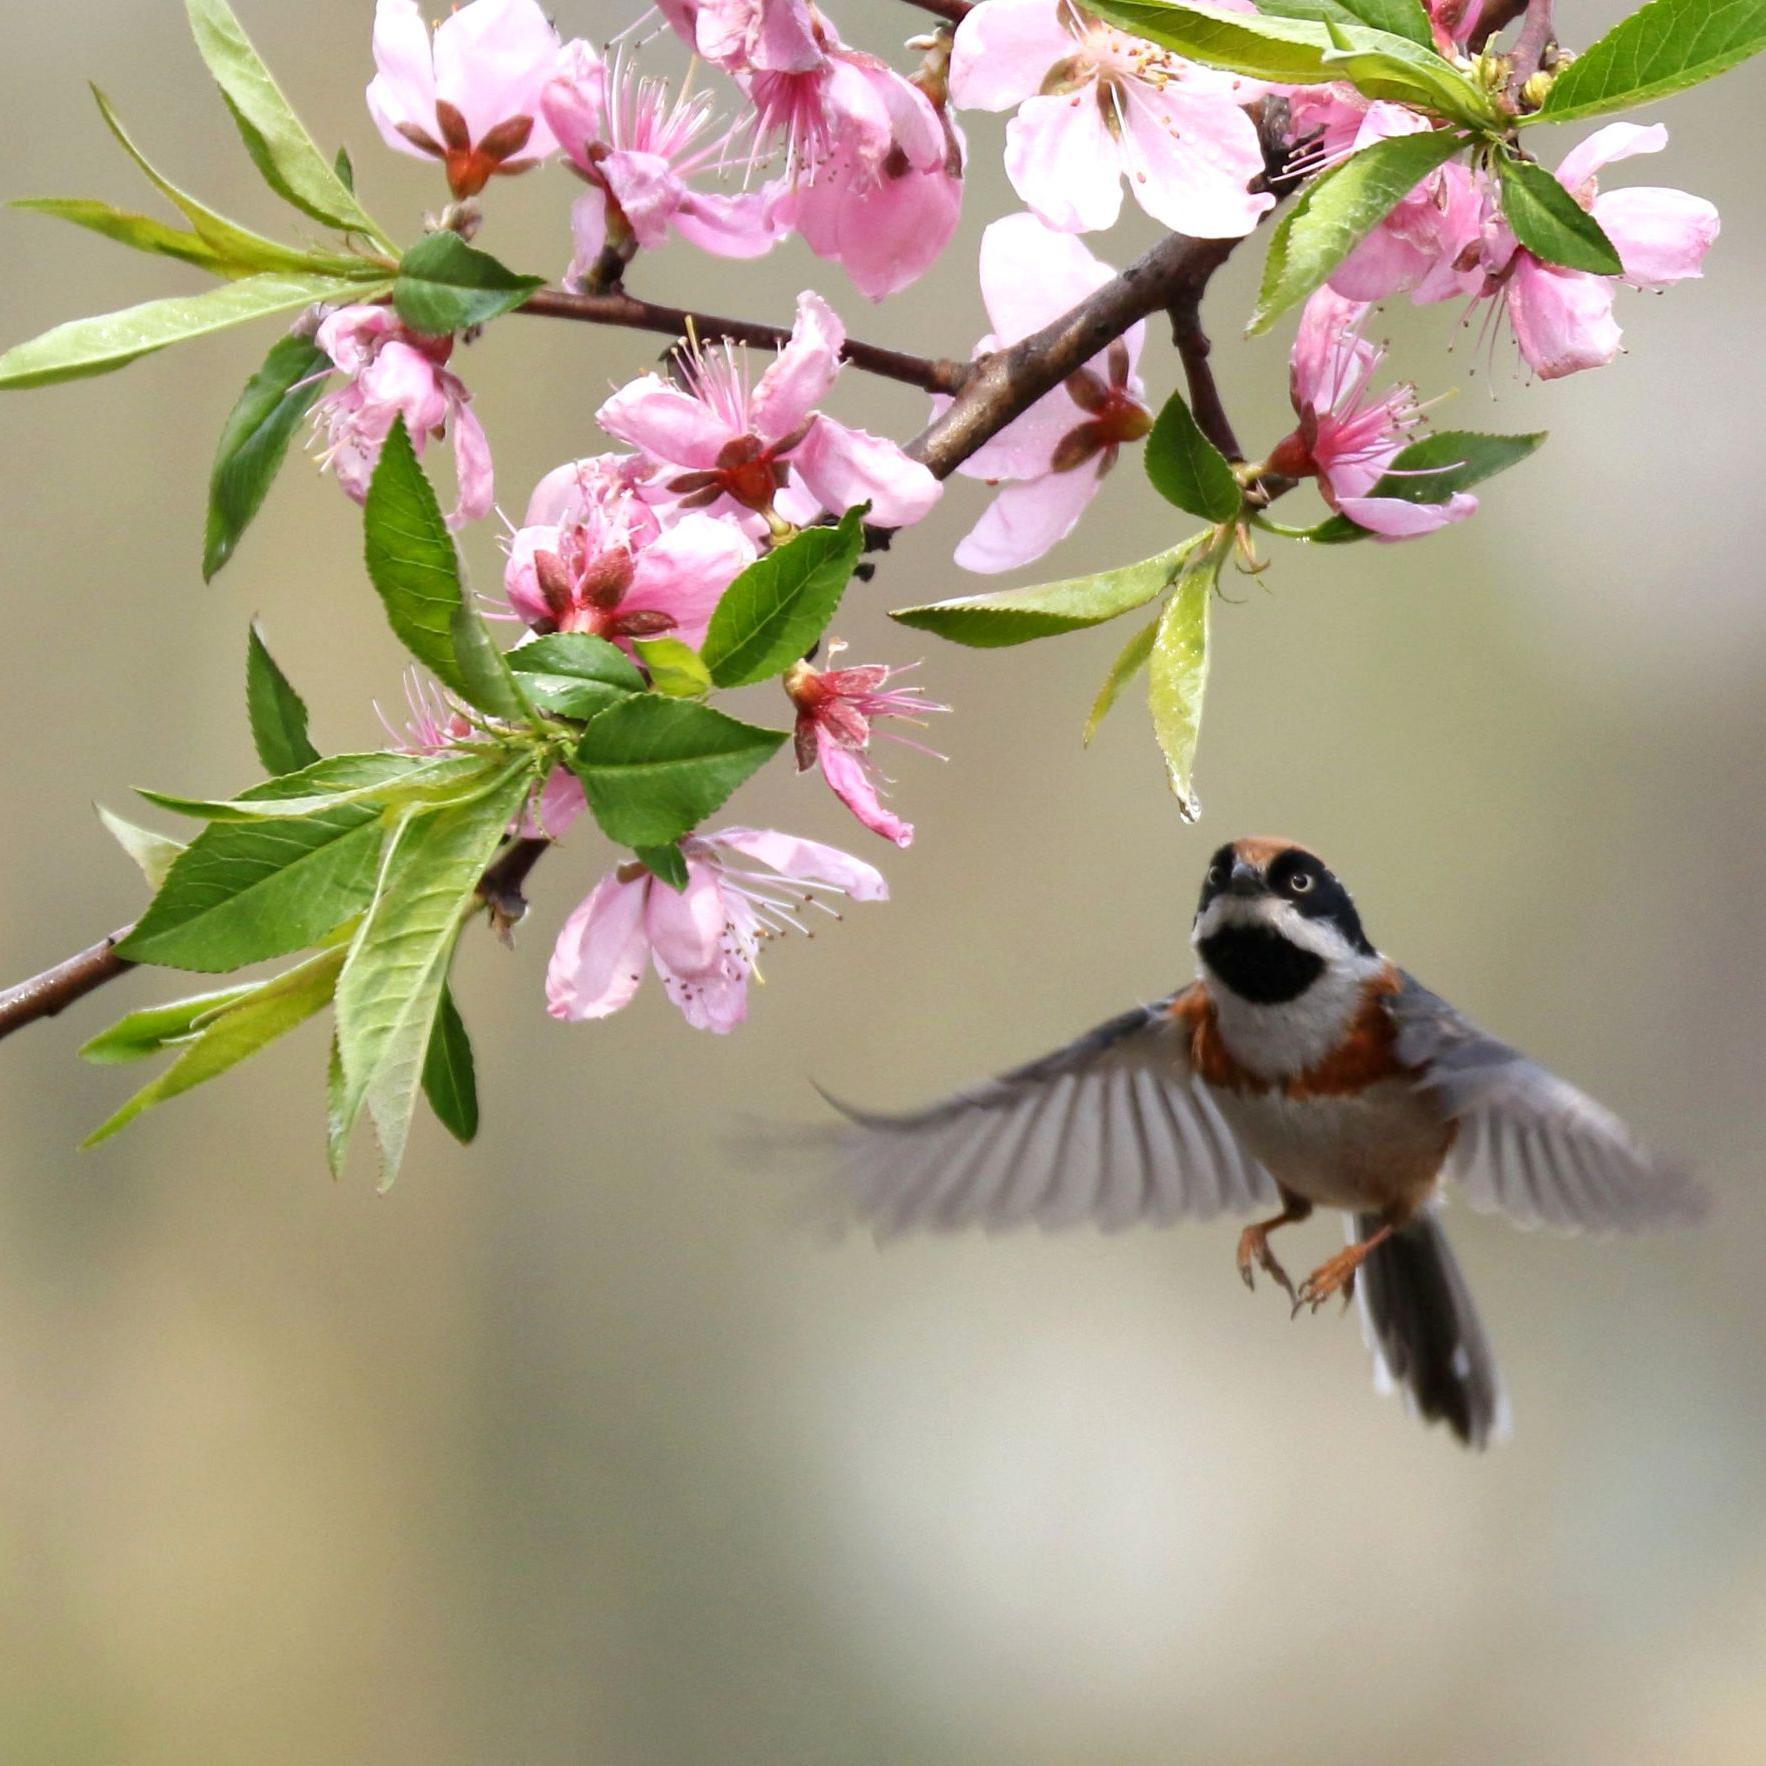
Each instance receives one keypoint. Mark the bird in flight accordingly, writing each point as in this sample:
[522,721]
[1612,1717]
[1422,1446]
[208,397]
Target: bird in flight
[1301,1069]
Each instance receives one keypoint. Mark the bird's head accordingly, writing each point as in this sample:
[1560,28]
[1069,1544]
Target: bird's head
[1273,919]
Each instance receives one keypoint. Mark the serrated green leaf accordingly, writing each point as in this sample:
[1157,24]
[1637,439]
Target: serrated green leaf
[243,892]
[1337,210]
[653,768]
[1664,48]
[113,340]
[279,145]
[1177,676]
[1016,616]
[415,567]
[390,990]
[278,714]
[574,673]
[139,232]
[239,251]
[668,863]
[380,780]
[444,285]
[153,853]
[449,1079]
[1187,469]
[1550,222]
[157,1028]
[1402,18]
[774,612]
[262,1013]
[337,1124]
[1129,662]
[254,441]
[676,670]
[1431,470]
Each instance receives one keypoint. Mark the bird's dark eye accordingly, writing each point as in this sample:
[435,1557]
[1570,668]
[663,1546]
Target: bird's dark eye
[1301,883]
[1216,876]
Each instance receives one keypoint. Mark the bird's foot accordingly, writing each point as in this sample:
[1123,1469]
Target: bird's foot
[1336,1275]
[1254,1253]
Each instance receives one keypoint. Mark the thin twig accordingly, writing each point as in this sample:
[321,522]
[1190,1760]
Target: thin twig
[1194,349]
[55,989]
[619,308]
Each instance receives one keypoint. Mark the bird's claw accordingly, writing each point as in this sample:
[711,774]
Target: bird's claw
[1254,1254]
[1336,1275]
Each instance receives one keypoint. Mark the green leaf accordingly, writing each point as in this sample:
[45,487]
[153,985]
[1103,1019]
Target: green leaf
[575,674]
[239,250]
[444,285]
[774,612]
[1550,222]
[1015,616]
[1663,48]
[280,147]
[1177,674]
[653,768]
[390,991]
[449,1081]
[260,1015]
[153,853]
[1128,664]
[666,862]
[1307,50]
[415,567]
[1431,470]
[676,669]
[339,779]
[1336,211]
[254,441]
[157,1028]
[345,168]
[1187,469]
[140,232]
[1402,18]
[112,340]
[278,714]
[242,892]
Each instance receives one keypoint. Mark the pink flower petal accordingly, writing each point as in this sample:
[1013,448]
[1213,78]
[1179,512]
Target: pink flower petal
[685,572]
[1615,142]
[1003,52]
[686,927]
[1661,236]
[1063,162]
[843,467]
[472,465]
[573,100]
[1392,518]
[403,87]
[1189,161]
[598,961]
[662,421]
[588,231]
[798,377]
[809,860]
[561,801]
[851,782]
[1024,520]
[492,61]
[1563,319]
[1031,274]
[743,225]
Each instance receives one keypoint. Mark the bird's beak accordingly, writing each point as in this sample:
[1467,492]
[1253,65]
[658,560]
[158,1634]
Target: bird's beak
[1246,880]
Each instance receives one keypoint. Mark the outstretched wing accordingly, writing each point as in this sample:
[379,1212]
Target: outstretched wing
[1114,1128]
[1529,1144]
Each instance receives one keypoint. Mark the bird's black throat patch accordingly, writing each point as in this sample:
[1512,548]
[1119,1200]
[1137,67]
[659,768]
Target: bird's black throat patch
[1260,965]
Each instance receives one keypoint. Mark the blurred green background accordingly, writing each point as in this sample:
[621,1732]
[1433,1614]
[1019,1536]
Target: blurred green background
[579,1446]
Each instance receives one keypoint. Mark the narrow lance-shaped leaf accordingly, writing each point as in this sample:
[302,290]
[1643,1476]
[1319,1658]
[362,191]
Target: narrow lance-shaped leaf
[139,232]
[278,714]
[343,779]
[450,1081]
[1187,469]
[113,340]
[1336,211]
[156,1028]
[415,567]
[1402,18]
[1431,470]
[1663,48]
[390,990]
[154,854]
[774,612]
[1550,222]
[261,1014]
[668,863]
[1177,675]
[1016,616]
[1129,662]
[444,285]
[653,768]
[274,136]
[254,441]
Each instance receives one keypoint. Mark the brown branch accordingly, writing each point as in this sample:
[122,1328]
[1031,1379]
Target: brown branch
[1194,349]
[953,10]
[618,308]
[55,989]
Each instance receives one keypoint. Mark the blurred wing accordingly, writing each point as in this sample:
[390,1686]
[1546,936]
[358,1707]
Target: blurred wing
[1529,1144]
[1114,1129]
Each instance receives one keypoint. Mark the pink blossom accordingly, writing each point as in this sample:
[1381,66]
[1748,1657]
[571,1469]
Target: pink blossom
[733,447]
[1563,319]
[638,148]
[704,940]
[469,96]
[1345,439]
[395,372]
[1455,24]
[1095,106]
[1053,458]
[607,565]
[836,708]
